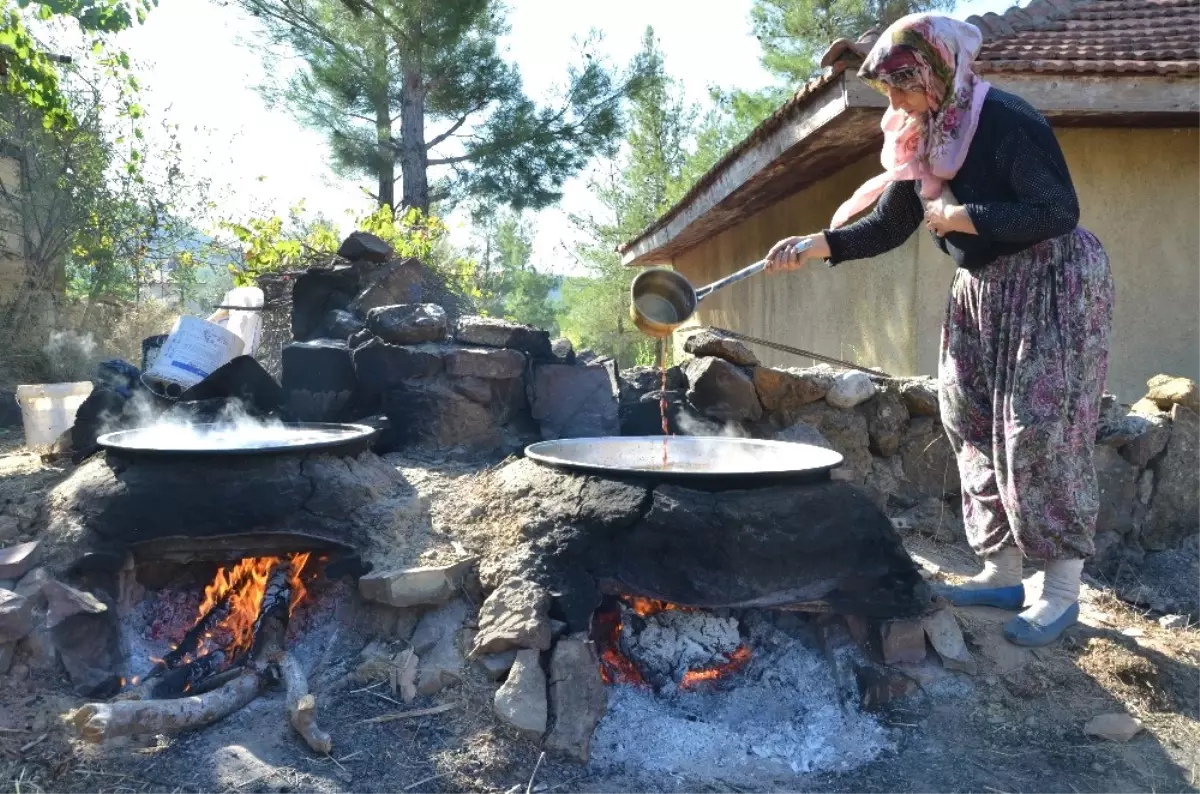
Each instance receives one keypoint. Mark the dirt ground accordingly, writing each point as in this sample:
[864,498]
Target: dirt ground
[1015,726]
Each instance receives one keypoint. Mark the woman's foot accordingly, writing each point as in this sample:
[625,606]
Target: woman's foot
[998,585]
[1055,612]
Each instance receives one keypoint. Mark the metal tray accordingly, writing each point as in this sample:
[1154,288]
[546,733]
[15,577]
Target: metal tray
[746,461]
[222,440]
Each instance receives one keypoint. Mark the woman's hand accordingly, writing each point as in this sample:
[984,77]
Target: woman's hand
[784,256]
[942,218]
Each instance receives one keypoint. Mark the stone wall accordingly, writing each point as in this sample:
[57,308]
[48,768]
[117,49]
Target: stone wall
[891,436]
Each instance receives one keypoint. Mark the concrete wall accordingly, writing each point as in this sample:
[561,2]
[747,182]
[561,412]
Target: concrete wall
[1138,193]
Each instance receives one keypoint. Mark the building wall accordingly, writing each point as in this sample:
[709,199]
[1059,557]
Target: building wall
[12,263]
[1138,194]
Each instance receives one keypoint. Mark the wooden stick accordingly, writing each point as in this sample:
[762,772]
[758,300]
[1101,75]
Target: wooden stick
[97,722]
[302,707]
[404,715]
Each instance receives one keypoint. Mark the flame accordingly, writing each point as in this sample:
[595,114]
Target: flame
[244,585]
[645,607]
[615,667]
[737,660]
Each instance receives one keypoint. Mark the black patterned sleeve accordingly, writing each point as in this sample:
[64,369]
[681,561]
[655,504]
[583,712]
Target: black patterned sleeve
[897,214]
[1046,205]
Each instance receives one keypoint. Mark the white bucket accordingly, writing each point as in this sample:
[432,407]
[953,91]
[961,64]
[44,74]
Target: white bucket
[246,324]
[194,350]
[48,410]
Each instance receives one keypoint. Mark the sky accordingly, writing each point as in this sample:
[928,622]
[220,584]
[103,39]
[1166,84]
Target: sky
[201,63]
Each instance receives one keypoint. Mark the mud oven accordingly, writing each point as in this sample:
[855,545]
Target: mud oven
[667,604]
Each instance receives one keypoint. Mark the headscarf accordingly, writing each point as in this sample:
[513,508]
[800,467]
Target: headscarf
[932,54]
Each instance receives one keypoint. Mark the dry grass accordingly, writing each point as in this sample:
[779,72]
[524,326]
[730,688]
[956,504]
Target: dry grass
[67,348]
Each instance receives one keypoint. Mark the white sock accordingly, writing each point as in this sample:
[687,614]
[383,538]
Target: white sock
[1002,569]
[1060,589]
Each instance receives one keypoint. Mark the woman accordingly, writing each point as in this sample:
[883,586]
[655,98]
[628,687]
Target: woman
[1025,342]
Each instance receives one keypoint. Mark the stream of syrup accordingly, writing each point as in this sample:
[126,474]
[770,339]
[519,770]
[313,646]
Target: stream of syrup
[662,396]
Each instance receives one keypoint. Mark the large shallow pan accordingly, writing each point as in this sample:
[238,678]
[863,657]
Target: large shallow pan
[732,462]
[210,440]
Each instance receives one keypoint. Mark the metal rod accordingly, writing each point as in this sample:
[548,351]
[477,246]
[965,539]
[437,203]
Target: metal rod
[837,362]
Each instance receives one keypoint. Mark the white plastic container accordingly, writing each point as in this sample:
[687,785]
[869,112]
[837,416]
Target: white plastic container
[48,410]
[194,350]
[246,324]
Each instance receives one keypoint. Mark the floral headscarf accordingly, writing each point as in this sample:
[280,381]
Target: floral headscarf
[932,54]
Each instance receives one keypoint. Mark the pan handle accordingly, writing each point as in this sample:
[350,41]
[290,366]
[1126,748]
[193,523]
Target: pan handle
[757,267]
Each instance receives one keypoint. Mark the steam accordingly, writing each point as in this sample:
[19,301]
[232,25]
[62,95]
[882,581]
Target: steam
[70,356]
[147,426]
[696,426]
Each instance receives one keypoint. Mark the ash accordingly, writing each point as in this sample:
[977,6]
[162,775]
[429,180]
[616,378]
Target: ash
[778,716]
[668,644]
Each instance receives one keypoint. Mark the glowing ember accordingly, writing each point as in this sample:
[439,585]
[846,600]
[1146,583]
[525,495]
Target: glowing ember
[615,667]
[737,660]
[645,607]
[242,588]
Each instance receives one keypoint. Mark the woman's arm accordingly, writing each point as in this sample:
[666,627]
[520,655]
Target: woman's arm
[896,216]
[1046,205]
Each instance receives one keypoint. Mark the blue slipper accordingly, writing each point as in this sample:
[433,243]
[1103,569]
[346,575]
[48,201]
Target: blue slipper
[1020,631]
[1000,597]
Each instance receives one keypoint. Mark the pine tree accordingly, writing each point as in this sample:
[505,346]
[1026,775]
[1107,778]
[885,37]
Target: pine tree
[795,33]
[419,86]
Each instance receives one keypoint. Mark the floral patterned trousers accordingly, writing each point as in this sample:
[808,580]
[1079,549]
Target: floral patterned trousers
[1023,362]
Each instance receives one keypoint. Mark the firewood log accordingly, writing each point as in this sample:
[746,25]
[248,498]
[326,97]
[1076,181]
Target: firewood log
[302,707]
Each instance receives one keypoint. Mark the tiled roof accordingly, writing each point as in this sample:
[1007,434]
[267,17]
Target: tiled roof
[1092,37]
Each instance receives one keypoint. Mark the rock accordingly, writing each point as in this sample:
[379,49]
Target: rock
[884,480]
[1167,391]
[930,468]
[722,391]
[887,417]
[784,392]
[380,366]
[1145,437]
[563,351]
[364,246]
[1117,481]
[707,342]
[374,663]
[1145,407]
[438,624]
[1115,727]
[933,518]
[635,383]
[585,356]
[442,666]
[16,616]
[432,413]
[644,418]
[8,650]
[920,396]
[317,292]
[1145,488]
[10,528]
[847,433]
[1172,622]
[319,383]
[520,702]
[16,561]
[340,324]
[490,332]
[902,641]
[395,283]
[578,699]
[515,615]
[485,362]
[87,639]
[497,665]
[803,433]
[476,390]
[64,601]
[573,402]
[410,587]
[946,638]
[1176,500]
[30,585]
[408,323]
[850,389]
